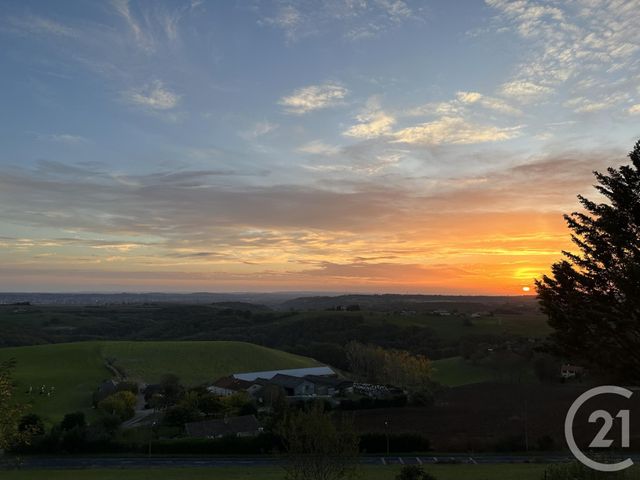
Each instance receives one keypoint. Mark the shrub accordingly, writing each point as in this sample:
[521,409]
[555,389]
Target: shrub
[179,415]
[72,420]
[121,404]
[31,424]
[414,472]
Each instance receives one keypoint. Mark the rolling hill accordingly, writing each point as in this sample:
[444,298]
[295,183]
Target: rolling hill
[76,369]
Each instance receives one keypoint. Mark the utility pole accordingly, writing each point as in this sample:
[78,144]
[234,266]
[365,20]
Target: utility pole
[153,426]
[386,429]
[526,426]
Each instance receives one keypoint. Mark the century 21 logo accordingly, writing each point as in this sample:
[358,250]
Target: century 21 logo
[600,440]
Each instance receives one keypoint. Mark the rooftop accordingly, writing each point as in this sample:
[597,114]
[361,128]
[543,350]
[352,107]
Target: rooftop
[220,427]
[292,372]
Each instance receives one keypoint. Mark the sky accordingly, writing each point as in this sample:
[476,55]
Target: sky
[324,145]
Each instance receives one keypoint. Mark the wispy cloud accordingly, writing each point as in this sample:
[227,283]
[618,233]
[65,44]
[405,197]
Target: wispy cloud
[35,24]
[318,147]
[154,96]
[454,130]
[491,103]
[524,91]
[373,122]
[153,26]
[66,138]
[314,97]
[589,46]
[258,130]
[588,105]
[142,38]
[465,104]
[355,20]
[289,19]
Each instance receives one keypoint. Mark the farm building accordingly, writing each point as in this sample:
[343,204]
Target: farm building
[226,386]
[294,386]
[292,372]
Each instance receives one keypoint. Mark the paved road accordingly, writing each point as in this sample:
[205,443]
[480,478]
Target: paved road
[73,462]
[141,414]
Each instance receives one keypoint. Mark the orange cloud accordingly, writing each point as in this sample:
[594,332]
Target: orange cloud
[491,234]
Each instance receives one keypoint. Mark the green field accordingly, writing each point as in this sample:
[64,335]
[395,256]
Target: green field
[197,362]
[453,327]
[455,371]
[442,472]
[76,369]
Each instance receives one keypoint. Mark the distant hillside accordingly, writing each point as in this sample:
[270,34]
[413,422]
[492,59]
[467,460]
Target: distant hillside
[419,303]
[76,369]
[278,300]
[146,298]
[241,306]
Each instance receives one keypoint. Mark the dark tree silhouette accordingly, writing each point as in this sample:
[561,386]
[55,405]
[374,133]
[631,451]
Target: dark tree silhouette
[592,298]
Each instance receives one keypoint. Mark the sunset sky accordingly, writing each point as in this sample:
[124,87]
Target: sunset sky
[335,145]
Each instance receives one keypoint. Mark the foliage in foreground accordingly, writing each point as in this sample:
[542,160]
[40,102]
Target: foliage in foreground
[414,472]
[316,447]
[593,297]
[10,411]
[577,471]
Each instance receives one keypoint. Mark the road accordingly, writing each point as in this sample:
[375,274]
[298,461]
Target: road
[74,462]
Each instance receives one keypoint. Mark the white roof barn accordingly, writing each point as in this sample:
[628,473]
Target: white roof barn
[292,372]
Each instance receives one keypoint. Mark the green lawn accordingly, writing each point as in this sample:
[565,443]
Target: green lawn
[76,369]
[455,371]
[197,362]
[442,472]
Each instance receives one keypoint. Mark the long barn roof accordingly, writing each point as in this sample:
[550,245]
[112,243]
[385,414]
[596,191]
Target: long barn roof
[292,372]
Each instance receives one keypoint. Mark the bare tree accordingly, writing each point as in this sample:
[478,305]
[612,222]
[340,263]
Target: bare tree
[316,447]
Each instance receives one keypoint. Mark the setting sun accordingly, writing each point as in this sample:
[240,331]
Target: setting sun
[526,289]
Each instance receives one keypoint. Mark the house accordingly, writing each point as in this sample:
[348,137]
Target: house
[151,391]
[571,371]
[292,372]
[106,388]
[311,385]
[269,395]
[268,385]
[330,386]
[243,426]
[227,386]
[294,386]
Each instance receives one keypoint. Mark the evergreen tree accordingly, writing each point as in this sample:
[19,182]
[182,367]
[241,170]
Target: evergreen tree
[592,298]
